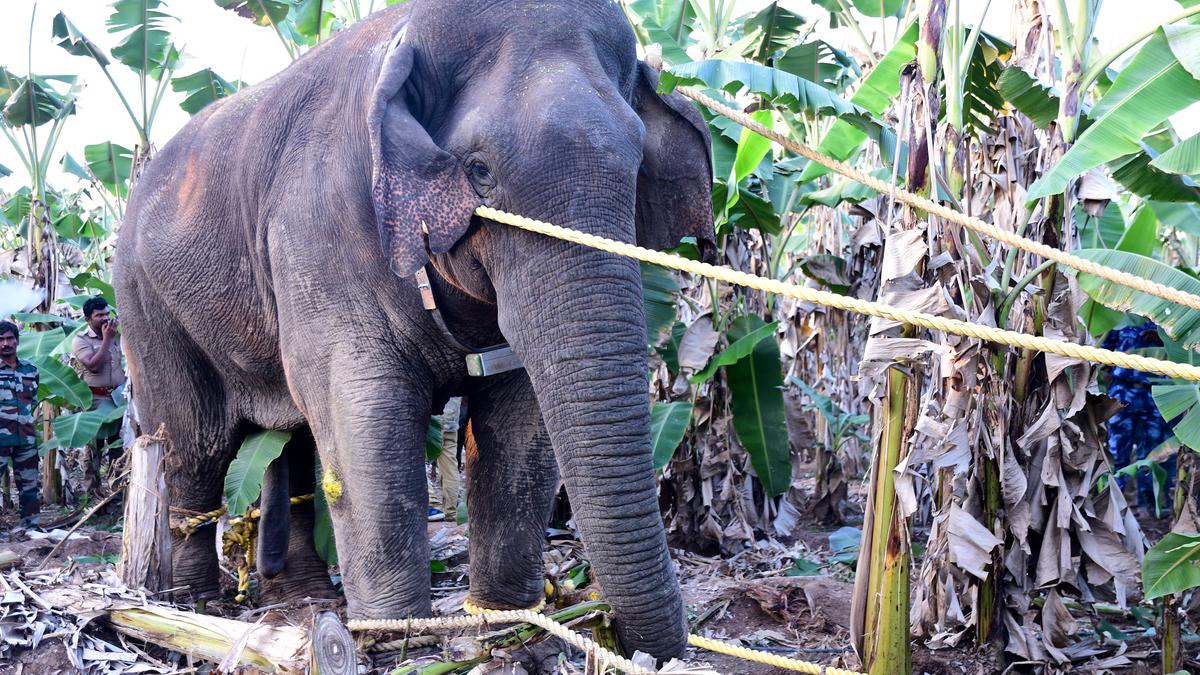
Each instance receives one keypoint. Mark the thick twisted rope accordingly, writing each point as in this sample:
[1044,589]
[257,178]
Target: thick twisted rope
[192,523]
[582,642]
[997,335]
[764,657]
[918,202]
[576,639]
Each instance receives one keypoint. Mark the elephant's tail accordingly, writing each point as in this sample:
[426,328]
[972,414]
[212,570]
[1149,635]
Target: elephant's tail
[276,519]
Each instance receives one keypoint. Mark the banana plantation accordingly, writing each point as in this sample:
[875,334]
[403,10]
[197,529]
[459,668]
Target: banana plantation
[329,372]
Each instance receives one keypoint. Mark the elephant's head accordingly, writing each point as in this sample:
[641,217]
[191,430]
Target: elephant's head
[542,108]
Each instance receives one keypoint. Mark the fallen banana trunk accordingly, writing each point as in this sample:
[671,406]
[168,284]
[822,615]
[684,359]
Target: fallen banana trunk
[324,648]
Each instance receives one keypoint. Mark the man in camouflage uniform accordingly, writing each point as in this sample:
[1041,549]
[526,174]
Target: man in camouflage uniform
[18,394]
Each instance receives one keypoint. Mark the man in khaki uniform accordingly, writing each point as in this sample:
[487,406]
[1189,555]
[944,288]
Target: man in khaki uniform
[96,354]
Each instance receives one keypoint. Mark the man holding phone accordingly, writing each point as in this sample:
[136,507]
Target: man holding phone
[96,352]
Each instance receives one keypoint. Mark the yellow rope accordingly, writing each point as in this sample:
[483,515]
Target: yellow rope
[1006,337]
[475,610]
[763,657]
[584,643]
[918,202]
[580,641]
[239,537]
[193,523]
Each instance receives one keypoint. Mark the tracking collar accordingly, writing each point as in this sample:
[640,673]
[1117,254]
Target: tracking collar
[480,362]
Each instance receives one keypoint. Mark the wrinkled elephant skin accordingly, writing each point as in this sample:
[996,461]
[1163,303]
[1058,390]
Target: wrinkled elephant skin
[265,272]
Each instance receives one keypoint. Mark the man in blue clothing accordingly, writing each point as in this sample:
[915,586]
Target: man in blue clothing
[1138,428]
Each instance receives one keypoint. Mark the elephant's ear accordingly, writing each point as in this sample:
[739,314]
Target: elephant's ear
[674,186]
[419,190]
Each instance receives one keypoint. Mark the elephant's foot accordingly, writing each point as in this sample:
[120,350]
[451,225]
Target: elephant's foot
[300,579]
[525,594]
[194,569]
[304,574]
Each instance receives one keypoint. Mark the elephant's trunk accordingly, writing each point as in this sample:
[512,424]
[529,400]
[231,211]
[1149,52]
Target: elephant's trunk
[575,316]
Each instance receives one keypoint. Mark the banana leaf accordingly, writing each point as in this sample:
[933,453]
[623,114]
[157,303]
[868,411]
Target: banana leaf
[1149,90]
[1182,159]
[244,478]
[1140,177]
[111,164]
[658,297]
[201,88]
[796,94]
[779,28]
[668,422]
[1180,323]
[756,388]
[78,429]
[61,382]
[146,46]
[1172,565]
[875,93]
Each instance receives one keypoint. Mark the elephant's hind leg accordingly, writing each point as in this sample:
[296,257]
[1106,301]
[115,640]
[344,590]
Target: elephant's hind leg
[176,386]
[511,476]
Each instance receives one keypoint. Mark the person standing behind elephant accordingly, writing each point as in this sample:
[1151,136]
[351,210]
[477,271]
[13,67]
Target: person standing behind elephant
[96,353]
[453,419]
[18,394]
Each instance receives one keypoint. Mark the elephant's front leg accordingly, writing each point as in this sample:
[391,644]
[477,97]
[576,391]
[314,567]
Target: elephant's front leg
[511,477]
[371,440]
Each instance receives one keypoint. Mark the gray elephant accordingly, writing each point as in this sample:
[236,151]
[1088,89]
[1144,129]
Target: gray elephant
[266,276]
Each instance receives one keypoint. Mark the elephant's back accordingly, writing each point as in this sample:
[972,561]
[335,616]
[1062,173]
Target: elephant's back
[205,197]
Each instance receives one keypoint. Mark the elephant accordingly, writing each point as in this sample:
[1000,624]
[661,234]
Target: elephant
[267,272]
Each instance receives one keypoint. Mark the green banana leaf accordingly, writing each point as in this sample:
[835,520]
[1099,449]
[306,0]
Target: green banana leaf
[668,23]
[1141,237]
[146,45]
[820,62]
[201,88]
[1139,176]
[875,94]
[981,97]
[779,29]
[244,478]
[668,422]
[880,8]
[1031,97]
[1180,323]
[37,344]
[1180,401]
[796,93]
[61,383]
[74,42]
[78,429]
[1184,40]
[111,164]
[659,290]
[1104,231]
[1172,565]
[1150,89]
[737,350]
[34,102]
[756,388]
[1182,159]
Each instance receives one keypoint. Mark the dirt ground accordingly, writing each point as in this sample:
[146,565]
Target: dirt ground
[748,598]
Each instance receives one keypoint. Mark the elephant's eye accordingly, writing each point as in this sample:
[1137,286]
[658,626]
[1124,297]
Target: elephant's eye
[481,178]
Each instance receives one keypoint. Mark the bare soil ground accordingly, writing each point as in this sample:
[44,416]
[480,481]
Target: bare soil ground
[747,599]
